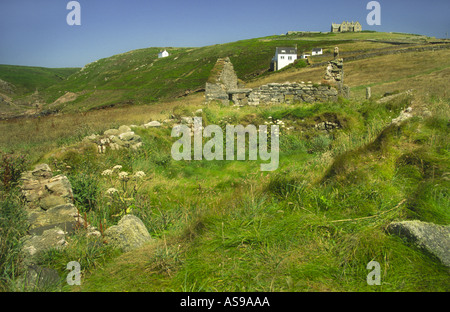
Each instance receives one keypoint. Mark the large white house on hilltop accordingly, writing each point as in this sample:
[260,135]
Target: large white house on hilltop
[283,57]
[163,54]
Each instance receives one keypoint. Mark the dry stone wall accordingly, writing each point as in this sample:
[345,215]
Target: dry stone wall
[292,92]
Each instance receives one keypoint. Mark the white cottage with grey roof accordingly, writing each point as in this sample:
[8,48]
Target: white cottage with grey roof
[283,57]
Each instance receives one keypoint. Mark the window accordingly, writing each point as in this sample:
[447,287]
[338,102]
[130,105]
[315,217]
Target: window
[290,58]
[282,57]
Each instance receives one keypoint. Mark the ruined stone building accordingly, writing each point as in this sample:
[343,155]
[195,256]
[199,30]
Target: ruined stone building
[224,86]
[346,27]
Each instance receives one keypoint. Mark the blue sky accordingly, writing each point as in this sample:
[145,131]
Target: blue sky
[35,32]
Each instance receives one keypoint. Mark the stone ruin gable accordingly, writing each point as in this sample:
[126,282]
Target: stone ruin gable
[222,79]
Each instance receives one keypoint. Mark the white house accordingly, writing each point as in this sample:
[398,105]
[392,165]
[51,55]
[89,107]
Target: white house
[317,51]
[283,57]
[163,54]
[305,56]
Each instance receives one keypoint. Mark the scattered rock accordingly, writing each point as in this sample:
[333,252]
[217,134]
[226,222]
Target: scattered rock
[187,120]
[130,233]
[115,139]
[433,238]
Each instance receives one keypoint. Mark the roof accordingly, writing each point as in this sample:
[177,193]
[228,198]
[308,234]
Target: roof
[317,49]
[286,50]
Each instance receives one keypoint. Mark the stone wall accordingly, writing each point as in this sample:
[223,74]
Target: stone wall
[381,52]
[290,93]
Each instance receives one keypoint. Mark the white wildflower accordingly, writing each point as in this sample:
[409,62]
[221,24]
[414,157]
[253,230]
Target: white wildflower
[117,167]
[123,175]
[139,174]
[111,191]
[107,172]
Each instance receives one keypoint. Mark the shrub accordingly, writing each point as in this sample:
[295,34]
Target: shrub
[320,143]
[85,189]
[11,168]
[13,226]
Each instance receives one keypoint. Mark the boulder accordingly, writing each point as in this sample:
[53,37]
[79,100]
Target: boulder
[111,132]
[123,129]
[152,124]
[433,238]
[130,233]
[129,136]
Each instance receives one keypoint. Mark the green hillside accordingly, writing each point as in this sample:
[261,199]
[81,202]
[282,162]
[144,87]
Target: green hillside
[139,77]
[28,79]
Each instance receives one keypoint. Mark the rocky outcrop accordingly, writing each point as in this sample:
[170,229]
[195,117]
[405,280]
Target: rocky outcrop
[130,233]
[433,238]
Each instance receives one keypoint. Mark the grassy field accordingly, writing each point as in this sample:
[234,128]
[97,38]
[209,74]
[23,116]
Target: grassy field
[311,225]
